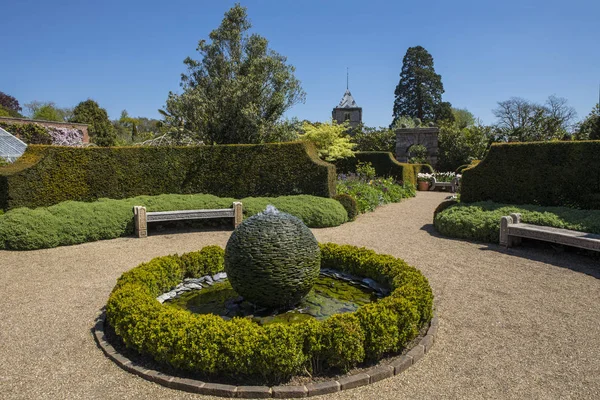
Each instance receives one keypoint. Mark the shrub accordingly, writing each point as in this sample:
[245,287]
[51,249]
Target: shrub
[209,345]
[74,222]
[541,173]
[330,139]
[385,165]
[48,175]
[349,205]
[481,221]
[369,195]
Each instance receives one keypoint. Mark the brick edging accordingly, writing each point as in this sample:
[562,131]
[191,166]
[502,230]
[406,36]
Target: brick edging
[363,378]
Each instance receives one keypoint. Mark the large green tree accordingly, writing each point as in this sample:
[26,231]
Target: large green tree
[237,91]
[48,111]
[419,92]
[99,126]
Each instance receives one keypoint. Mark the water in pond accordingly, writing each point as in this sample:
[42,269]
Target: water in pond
[328,296]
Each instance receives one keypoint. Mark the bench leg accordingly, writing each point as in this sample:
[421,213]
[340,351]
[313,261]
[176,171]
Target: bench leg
[504,239]
[237,214]
[141,223]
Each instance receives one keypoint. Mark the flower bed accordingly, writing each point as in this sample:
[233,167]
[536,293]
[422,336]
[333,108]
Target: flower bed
[210,346]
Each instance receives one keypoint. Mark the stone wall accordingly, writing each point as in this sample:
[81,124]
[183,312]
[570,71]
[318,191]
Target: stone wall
[407,137]
[52,124]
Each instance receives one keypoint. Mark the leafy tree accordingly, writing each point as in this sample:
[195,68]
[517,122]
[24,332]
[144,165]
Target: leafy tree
[373,139]
[589,128]
[237,91]
[521,120]
[99,126]
[419,92]
[9,103]
[417,154]
[458,146]
[48,111]
[443,112]
[330,139]
[463,118]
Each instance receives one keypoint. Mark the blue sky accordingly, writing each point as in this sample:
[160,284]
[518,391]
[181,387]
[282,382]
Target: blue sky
[128,54]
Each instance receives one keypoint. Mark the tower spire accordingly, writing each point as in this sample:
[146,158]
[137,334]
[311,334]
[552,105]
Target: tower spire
[347,78]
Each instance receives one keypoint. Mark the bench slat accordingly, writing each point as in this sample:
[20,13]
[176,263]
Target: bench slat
[189,214]
[567,237]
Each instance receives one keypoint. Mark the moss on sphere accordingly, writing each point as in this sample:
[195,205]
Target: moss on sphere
[272,259]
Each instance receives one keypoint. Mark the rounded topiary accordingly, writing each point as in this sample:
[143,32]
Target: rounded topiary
[272,259]
[349,204]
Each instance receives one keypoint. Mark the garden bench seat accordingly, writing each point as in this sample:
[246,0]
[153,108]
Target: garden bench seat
[512,230]
[141,217]
[452,185]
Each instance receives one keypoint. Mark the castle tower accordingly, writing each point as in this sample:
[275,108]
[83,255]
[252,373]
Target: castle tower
[347,110]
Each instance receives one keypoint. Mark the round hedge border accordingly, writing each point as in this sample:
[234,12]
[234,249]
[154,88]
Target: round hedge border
[388,325]
[365,378]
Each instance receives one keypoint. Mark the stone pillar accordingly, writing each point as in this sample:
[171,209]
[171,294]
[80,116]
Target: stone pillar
[237,214]
[141,223]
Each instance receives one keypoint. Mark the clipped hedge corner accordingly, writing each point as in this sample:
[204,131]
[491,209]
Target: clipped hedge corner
[385,165]
[209,345]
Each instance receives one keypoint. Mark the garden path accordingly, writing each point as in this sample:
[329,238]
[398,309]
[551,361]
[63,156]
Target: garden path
[518,323]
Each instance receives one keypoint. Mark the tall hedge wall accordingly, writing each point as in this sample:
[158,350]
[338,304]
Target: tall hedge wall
[542,173]
[47,175]
[385,165]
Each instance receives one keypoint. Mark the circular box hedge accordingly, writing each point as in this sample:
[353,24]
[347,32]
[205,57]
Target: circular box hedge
[209,345]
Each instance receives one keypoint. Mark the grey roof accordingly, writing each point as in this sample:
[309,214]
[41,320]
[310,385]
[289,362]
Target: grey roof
[11,148]
[347,101]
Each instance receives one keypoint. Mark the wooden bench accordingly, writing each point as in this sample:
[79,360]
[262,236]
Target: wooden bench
[141,217]
[452,185]
[512,230]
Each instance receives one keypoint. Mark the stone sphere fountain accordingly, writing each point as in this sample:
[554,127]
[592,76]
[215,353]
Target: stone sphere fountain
[272,259]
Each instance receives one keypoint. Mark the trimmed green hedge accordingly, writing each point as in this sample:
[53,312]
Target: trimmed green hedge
[481,221]
[211,346]
[47,175]
[385,165]
[349,204]
[72,222]
[542,173]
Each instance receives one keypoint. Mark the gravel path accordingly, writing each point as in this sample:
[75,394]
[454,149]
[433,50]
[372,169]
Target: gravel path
[522,323]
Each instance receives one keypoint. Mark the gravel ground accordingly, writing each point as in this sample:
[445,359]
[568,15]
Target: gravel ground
[520,323]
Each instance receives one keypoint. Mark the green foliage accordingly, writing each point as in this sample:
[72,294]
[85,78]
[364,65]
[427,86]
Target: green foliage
[330,139]
[418,154]
[99,127]
[209,345]
[589,128]
[316,212]
[48,175]
[255,266]
[237,91]
[48,111]
[209,260]
[365,171]
[481,221]
[28,133]
[370,194]
[373,139]
[385,165]
[72,222]
[419,92]
[349,205]
[542,173]
[460,146]
[463,118]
